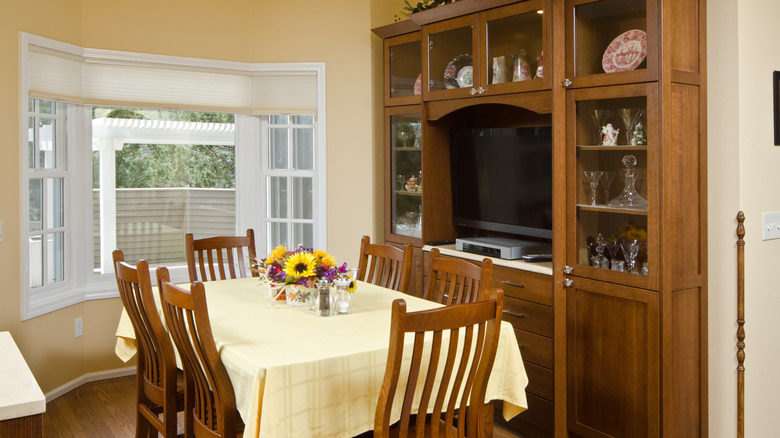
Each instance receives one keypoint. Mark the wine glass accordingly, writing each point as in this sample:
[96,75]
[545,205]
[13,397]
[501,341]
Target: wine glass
[629,116]
[606,183]
[630,250]
[593,177]
[614,249]
[601,117]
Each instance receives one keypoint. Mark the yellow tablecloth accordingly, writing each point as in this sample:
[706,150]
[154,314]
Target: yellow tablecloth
[299,375]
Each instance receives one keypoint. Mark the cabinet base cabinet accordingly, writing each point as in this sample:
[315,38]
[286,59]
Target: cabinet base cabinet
[612,360]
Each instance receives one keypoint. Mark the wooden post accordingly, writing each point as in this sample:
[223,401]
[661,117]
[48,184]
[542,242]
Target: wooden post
[740,325]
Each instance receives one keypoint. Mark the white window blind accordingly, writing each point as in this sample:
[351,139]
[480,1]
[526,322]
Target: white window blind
[284,93]
[68,73]
[55,74]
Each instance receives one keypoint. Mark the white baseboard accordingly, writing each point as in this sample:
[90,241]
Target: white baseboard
[86,378]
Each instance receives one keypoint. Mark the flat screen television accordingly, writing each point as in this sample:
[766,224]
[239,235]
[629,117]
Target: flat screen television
[502,180]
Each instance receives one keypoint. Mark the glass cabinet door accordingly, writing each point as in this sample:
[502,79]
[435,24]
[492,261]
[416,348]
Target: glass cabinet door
[403,72]
[614,184]
[405,173]
[611,41]
[515,44]
[452,47]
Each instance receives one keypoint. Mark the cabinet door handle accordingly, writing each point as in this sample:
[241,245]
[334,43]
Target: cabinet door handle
[512,284]
[567,82]
[481,90]
[518,315]
[568,282]
[568,269]
[473,91]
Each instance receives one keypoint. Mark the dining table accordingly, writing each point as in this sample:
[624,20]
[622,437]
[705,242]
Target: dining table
[298,374]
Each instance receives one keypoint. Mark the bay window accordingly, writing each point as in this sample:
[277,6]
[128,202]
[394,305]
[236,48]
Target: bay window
[137,170]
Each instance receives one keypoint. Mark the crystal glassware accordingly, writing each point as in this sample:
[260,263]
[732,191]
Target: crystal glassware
[593,177]
[630,117]
[630,250]
[629,197]
[606,182]
[614,249]
[601,244]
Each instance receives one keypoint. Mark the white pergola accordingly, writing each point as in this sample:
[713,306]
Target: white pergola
[110,135]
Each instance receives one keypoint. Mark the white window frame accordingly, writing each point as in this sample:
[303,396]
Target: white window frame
[80,283]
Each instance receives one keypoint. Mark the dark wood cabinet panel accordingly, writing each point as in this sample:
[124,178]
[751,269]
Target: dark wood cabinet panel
[612,358]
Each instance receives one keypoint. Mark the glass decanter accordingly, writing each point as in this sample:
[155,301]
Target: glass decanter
[630,197]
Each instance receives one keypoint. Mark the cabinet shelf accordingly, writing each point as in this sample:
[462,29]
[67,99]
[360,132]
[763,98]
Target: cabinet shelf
[405,193]
[608,209]
[611,148]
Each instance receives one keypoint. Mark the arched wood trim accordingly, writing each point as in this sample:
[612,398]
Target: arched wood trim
[740,325]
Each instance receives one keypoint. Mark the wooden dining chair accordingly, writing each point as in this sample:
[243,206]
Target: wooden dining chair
[456,281]
[160,388]
[220,252]
[462,342]
[385,265]
[211,401]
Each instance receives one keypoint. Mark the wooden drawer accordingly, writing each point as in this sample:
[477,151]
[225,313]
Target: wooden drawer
[540,381]
[528,316]
[535,349]
[524,285]
[536,421]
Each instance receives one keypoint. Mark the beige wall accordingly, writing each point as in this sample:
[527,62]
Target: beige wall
[235,30]
[742,159]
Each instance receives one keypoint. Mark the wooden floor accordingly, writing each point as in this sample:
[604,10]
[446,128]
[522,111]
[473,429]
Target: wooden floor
[104,409]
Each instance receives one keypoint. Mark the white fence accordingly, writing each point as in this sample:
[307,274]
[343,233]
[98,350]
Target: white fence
[151,223]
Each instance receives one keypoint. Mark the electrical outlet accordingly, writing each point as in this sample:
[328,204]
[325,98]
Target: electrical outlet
[771,228]
[78,327]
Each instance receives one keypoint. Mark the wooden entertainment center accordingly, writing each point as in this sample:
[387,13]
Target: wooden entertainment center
[614,330]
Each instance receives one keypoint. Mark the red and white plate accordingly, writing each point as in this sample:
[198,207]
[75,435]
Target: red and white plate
[625,52]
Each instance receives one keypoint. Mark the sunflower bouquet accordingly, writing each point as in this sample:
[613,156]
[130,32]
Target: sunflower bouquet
[303,266]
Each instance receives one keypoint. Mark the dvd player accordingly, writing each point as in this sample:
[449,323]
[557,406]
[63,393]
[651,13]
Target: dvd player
[502,247]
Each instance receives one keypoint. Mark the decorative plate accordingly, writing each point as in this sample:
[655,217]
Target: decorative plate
[454,67]
[465,76]
[625,52]
[418,85]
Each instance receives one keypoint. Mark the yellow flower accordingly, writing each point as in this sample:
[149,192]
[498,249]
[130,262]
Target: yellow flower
[278,252]
[300,265]
[270,260]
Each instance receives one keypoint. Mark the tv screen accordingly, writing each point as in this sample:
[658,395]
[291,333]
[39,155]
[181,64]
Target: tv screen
[502,180]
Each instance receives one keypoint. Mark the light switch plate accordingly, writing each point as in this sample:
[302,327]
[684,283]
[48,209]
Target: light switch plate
[1,231]
[771,226]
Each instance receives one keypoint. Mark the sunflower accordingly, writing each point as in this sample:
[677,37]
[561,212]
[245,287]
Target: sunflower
[300,264]
[278,252]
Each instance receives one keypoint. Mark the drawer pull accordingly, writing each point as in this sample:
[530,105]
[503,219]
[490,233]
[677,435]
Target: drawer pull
[519,315]
[512,284]
[520,346]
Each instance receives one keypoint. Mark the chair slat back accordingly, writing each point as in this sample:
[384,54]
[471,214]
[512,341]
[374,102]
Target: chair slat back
[220,257]
[385,265]
[461,340]
[156,359]
[154,345]
[456,281]
[208,385]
